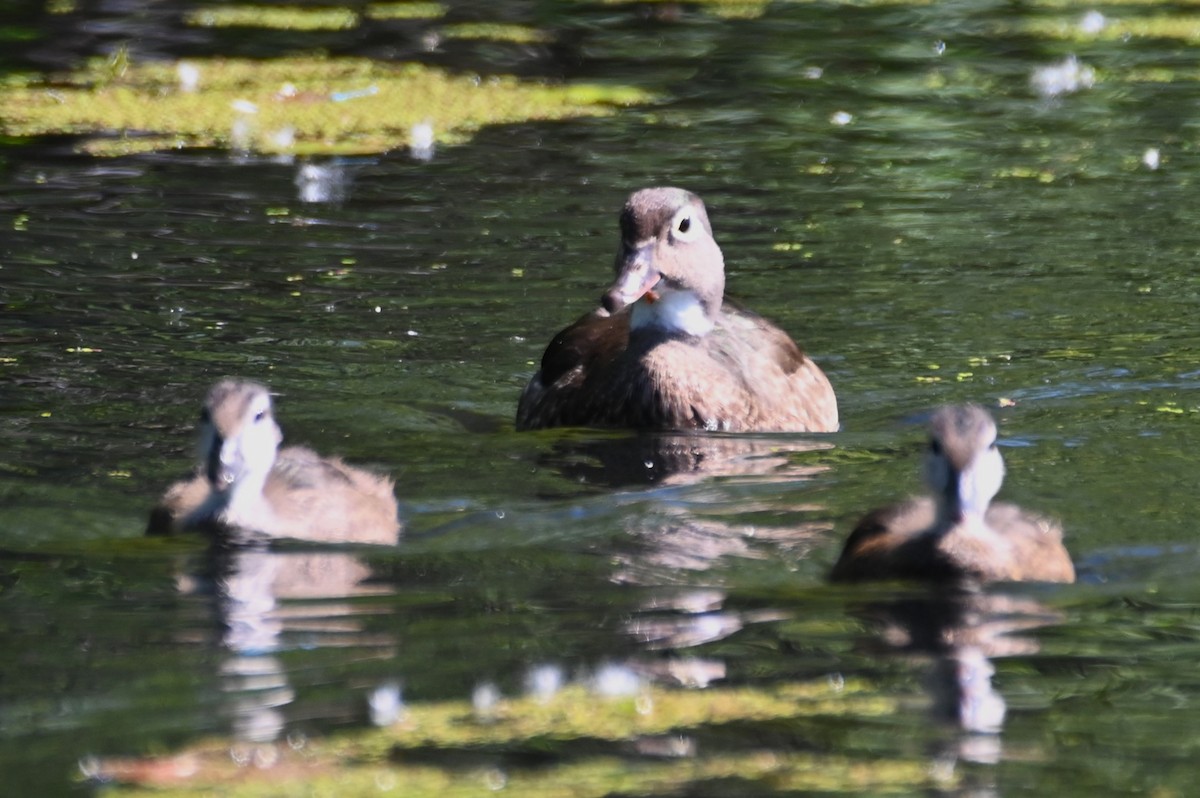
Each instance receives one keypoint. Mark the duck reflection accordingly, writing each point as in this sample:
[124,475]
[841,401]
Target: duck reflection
[269,600]
[959,629]
[680,458]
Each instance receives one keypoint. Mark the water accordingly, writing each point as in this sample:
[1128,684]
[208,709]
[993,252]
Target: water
[886,184]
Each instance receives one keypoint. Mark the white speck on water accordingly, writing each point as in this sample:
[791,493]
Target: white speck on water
[1092,22]
[939,47]
[615,681]
[1151,158]
[321,182]
[284,138]
[495,779]
[412,333]
[133,256]
[386,704]
[484,699]
[244,107]
[421,141]
[543,681]
[841,118]
[813,72]
[378,309]
[189,76]
[1065,77]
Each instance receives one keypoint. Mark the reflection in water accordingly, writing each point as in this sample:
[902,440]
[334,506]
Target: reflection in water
[269,601]
[322,182]
[961,629]
[678,458]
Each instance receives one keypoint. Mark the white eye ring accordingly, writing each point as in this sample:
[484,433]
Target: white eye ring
[685,226]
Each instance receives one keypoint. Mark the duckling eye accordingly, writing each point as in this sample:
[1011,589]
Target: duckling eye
[935,448]
[204,416]
[685,224]
[259,416]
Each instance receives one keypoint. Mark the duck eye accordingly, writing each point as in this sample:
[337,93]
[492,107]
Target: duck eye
[685,224]
[259,416]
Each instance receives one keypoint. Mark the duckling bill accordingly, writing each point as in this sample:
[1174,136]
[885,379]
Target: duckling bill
[666,352]
[957,532]
[245,482]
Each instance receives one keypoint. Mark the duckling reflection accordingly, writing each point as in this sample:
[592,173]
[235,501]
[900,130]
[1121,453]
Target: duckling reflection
[268,601]
[959,630]
[246,484]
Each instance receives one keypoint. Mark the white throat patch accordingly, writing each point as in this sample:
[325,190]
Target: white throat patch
[674,311]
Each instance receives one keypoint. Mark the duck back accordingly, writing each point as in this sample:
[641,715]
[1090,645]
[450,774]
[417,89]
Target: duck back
[745,375]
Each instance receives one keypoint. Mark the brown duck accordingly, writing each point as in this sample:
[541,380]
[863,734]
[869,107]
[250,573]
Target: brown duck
[665,352]
[245,482]
[958,532]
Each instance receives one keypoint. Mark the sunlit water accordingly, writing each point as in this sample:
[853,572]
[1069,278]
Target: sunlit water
[892,185]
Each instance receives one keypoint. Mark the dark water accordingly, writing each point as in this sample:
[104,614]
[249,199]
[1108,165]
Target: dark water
[960,238]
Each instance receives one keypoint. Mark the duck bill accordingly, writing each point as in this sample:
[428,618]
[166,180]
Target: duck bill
[220,466]
[637,278]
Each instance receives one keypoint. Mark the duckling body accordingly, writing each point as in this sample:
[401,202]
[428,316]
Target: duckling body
[665,352]
[245,482]
[958,532]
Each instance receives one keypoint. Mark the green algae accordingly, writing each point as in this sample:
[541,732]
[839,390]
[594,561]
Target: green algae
[410,10]
[491,31]
[1185,28]
[483,752]
[302,105]
[275,17]
[725,9]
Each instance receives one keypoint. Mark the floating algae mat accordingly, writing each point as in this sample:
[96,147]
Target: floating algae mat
[304,105]
[574,744]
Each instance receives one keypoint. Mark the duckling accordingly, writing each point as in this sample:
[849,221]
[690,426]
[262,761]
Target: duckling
[246,482]
[665,352]
[957,533]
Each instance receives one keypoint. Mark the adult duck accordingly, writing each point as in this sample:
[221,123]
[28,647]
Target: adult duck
[665,352]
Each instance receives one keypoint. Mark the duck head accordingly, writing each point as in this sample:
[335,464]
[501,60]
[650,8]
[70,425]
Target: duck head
[963,467]
[668,265]
[238,435]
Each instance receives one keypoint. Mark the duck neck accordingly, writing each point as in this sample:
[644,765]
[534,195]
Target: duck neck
[245,496]
[675,312]
[957,508]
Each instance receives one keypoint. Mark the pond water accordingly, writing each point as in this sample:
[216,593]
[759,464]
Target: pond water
[890,183]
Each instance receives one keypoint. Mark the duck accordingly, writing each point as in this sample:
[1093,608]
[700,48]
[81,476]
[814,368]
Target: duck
[245,483]
[665,351]
[957,534]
